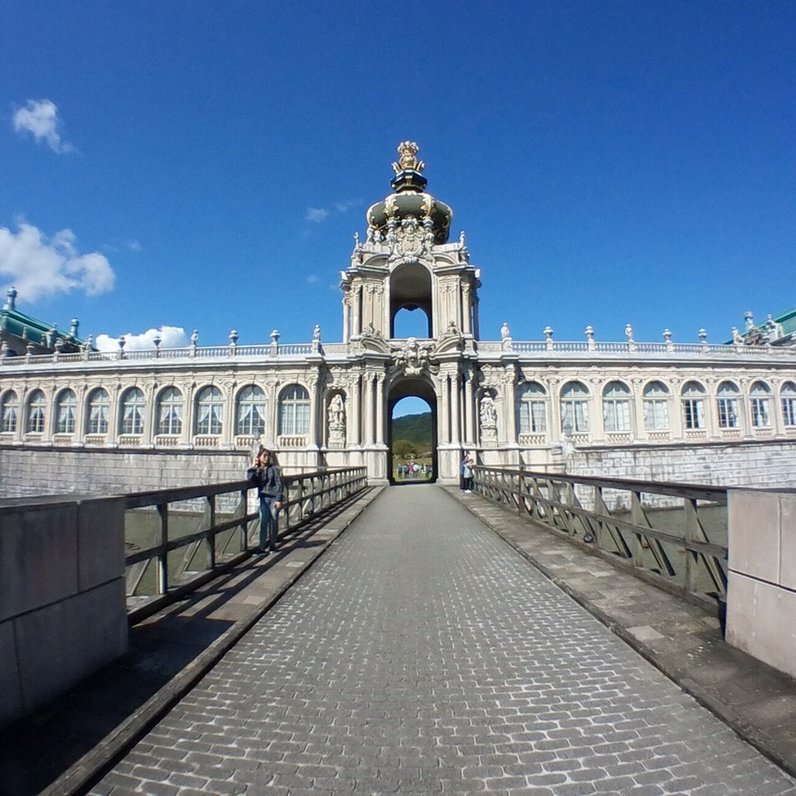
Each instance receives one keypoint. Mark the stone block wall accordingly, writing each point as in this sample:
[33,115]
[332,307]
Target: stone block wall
[32,472]
[752,464]
[62,597]
[761,591]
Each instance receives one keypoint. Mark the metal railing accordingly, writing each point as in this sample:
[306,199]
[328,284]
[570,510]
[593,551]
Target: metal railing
[177,539]
[674,535]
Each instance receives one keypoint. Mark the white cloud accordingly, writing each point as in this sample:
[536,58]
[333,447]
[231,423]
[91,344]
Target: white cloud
[317,214]
[134,246]
[170,337]
[312,279]
[39,267]
[40,119]
[344,207]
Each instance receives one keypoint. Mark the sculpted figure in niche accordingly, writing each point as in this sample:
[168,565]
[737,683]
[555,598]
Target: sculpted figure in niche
[336,414]
[488,414]
[335,418]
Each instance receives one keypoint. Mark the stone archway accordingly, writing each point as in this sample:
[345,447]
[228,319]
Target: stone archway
[417,387]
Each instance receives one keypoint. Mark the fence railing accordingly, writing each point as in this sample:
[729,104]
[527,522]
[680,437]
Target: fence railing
[176,539]
[672,534]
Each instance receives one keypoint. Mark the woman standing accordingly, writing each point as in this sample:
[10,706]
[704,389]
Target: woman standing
[267,477]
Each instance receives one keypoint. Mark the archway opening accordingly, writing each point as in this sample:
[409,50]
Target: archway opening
[410,290]
[412,433]
[411,321]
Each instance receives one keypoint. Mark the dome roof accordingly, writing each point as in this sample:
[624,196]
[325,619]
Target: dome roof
[409,199]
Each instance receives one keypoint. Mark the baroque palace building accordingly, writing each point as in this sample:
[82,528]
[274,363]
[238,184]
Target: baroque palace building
[698,413]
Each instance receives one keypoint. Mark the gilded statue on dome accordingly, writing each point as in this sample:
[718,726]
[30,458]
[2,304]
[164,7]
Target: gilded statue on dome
[408,158]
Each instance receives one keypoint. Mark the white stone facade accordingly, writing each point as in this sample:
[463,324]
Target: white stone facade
[585,406]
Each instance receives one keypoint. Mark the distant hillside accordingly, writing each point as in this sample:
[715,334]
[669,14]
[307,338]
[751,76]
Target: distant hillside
[415,429]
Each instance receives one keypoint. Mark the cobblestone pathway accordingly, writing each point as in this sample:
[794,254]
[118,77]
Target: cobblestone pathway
[422,655]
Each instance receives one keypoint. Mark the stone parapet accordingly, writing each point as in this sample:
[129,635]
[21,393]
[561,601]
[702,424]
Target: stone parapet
[761,591]
[62,597]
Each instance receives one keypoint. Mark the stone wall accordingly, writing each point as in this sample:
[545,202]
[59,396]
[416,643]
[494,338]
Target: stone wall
[32,472]
[761,589]
[746,464]
[62,597]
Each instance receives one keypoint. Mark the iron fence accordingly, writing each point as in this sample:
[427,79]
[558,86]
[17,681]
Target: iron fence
[177,539]
[672,534]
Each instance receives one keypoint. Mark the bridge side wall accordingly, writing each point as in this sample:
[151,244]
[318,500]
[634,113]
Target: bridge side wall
[761,590]
[62,598]
[752,464]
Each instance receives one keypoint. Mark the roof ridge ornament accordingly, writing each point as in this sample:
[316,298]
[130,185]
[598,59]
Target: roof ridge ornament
[407,150]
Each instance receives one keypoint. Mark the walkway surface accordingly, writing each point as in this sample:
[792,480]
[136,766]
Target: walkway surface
[423,654]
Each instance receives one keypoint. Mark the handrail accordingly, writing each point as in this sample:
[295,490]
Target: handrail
[177,538]
[689,558]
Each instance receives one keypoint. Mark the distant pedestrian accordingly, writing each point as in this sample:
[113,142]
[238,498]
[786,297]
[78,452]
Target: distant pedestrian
[467,474]
[267,477]
[462,465]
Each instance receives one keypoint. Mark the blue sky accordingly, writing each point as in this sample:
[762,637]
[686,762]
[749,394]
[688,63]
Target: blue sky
[204,165]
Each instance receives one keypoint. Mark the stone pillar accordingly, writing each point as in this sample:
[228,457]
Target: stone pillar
[444,409]
[228,423]
[509,409]
[114,394]
[151,414]
[369,379]
[380,402]
[354,426]
[469,409]
[456,420]
[188,415]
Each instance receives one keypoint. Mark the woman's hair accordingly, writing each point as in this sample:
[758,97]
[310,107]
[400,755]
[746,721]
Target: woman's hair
[271,454]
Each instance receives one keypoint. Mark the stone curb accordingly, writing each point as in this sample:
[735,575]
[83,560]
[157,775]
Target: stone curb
[750,733]
[92,764]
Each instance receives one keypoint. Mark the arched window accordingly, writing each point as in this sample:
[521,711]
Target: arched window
[574,408]
[209,411]
[727,400]
[294,411]
[250,411]
[98,412]
[616,406]
[693,398]
[132,416]
[760,404]
[656,406]
[9,408]
[531,408]
[37,411]
[170,406]
[65,405]
[787,397]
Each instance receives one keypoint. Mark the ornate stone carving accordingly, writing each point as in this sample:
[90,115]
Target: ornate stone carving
[412,358]
[335,419]
[487,413]
[407,151]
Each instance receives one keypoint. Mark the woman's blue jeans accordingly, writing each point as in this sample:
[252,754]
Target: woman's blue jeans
[268,524]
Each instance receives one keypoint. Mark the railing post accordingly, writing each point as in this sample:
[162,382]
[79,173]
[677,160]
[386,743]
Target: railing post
[163,556]
[211,537]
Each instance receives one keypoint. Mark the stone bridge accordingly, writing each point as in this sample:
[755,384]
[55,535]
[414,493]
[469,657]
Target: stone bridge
[418,640]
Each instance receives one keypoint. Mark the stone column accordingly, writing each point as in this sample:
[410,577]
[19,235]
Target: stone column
[455,407]
[114,393]
[369,379]
[509,409]
[353,425]
[469,408]
[186,438]
[380,402]
[151,415]
[446,409]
